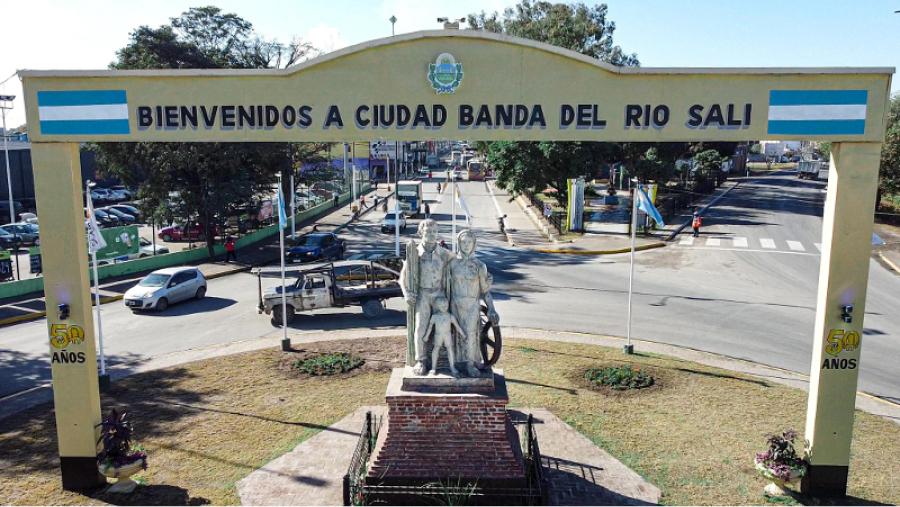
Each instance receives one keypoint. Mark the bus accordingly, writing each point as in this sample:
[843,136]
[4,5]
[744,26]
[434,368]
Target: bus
[409,196]
[475,169]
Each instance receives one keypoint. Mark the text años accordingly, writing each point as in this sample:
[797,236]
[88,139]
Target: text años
[435,116]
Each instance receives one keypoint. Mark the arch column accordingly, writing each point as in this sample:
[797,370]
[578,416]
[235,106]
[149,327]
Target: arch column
[843,279]
[73,358]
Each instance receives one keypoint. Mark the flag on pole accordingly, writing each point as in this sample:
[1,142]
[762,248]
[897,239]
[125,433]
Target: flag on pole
[646,205]
[282,216]
[95,239]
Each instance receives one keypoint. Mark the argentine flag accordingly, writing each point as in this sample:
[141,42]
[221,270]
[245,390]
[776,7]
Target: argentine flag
[282,216]
[817,112]
[644,204]
[77,112]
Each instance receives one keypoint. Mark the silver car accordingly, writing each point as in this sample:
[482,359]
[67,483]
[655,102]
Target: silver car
[166,286]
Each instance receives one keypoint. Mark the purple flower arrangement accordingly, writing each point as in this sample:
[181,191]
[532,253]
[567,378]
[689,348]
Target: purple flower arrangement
[780,460]
[116,434]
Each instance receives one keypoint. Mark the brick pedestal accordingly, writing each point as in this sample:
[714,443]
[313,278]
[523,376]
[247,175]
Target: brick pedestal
[464,437]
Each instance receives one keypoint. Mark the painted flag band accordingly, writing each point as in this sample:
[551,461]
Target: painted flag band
[83,112]
[817,112]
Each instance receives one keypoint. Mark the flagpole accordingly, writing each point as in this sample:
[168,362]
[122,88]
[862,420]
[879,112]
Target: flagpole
[285,342]
[104,377]
[293,208]
[453,222]
[629,348]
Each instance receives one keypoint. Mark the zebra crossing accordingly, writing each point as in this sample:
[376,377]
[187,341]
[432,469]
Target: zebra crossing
[750,244]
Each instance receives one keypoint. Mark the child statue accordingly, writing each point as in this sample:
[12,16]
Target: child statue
[441,321]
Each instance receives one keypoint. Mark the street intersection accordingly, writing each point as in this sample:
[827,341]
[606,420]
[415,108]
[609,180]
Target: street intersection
[729,291]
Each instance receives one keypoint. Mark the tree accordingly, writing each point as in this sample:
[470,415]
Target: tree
[889,170]
[535,165]
[202,181]
[578,27]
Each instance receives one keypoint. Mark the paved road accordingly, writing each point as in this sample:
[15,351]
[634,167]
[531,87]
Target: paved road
[750,302]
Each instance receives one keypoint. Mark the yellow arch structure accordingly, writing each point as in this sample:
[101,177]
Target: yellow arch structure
[452,84]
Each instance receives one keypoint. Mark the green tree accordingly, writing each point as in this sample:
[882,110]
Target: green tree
[708,164]
[202,181]
[578,27]
[889,171]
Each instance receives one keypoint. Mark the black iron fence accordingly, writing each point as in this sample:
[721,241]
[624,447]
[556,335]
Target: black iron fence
[556,219]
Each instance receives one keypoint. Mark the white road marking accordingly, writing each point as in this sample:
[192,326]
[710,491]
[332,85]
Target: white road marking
[767,243]
[740,241]
[713,241]
[796,246]
[686,240]
[819,246]
[754,250]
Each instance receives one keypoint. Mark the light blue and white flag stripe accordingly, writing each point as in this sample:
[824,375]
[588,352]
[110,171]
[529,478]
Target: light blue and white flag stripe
[76,112]
[644,204]
[817,112]
[282,216]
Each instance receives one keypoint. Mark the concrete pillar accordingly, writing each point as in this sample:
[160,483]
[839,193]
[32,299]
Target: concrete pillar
[76,395]
[843,277]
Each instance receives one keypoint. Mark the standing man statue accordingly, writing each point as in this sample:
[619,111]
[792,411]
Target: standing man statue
[470,283]
[422,280]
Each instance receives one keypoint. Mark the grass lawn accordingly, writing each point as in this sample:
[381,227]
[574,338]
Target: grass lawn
[208,424]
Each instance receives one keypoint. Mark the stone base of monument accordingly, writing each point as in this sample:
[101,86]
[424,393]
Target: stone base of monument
[450,434]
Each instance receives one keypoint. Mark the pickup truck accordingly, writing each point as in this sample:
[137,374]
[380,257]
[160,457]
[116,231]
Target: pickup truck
[332,285]
[812,170]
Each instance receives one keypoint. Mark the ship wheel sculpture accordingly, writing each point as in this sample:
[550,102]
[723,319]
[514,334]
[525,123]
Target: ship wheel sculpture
[491,341]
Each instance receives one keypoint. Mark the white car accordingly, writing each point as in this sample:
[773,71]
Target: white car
[166,286]
[388,224]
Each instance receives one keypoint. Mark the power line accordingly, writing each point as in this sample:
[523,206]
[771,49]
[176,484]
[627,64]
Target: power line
[10,77]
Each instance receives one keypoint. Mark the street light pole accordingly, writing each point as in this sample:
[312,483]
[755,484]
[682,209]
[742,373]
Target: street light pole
[4,99]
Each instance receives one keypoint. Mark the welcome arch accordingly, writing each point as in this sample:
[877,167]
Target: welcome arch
[493,87]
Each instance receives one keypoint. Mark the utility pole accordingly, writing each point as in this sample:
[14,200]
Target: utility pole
[6,103]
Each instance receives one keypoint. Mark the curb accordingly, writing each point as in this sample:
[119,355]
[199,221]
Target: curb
[889,263]
[571,251]
[680,228]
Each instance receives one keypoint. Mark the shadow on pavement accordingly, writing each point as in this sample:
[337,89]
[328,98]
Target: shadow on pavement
[190,307]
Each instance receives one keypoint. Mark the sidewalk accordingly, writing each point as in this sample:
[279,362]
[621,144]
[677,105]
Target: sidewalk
[264,252]
[521,229]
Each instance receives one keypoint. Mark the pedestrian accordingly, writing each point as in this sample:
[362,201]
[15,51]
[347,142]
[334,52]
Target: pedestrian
[427,210]
[334,199]
[696,223]
[439,187]
[230,253]
[362,203]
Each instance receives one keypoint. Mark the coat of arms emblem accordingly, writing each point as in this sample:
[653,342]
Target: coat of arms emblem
[445,74]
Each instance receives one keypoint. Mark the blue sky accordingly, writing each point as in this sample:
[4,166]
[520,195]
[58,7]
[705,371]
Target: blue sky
[84,34]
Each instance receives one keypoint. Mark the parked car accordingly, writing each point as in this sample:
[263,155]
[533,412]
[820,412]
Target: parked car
[28,218]
[30,234]
[147,248]
[124,218]
[123,191]
[184,233]
[316,246]
[388,223]
[8,240]
[127,208]
[100,195]
[104,219]
[163,287]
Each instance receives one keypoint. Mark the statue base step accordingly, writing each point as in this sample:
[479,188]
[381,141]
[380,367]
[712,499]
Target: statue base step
[444,382]
[461,437]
